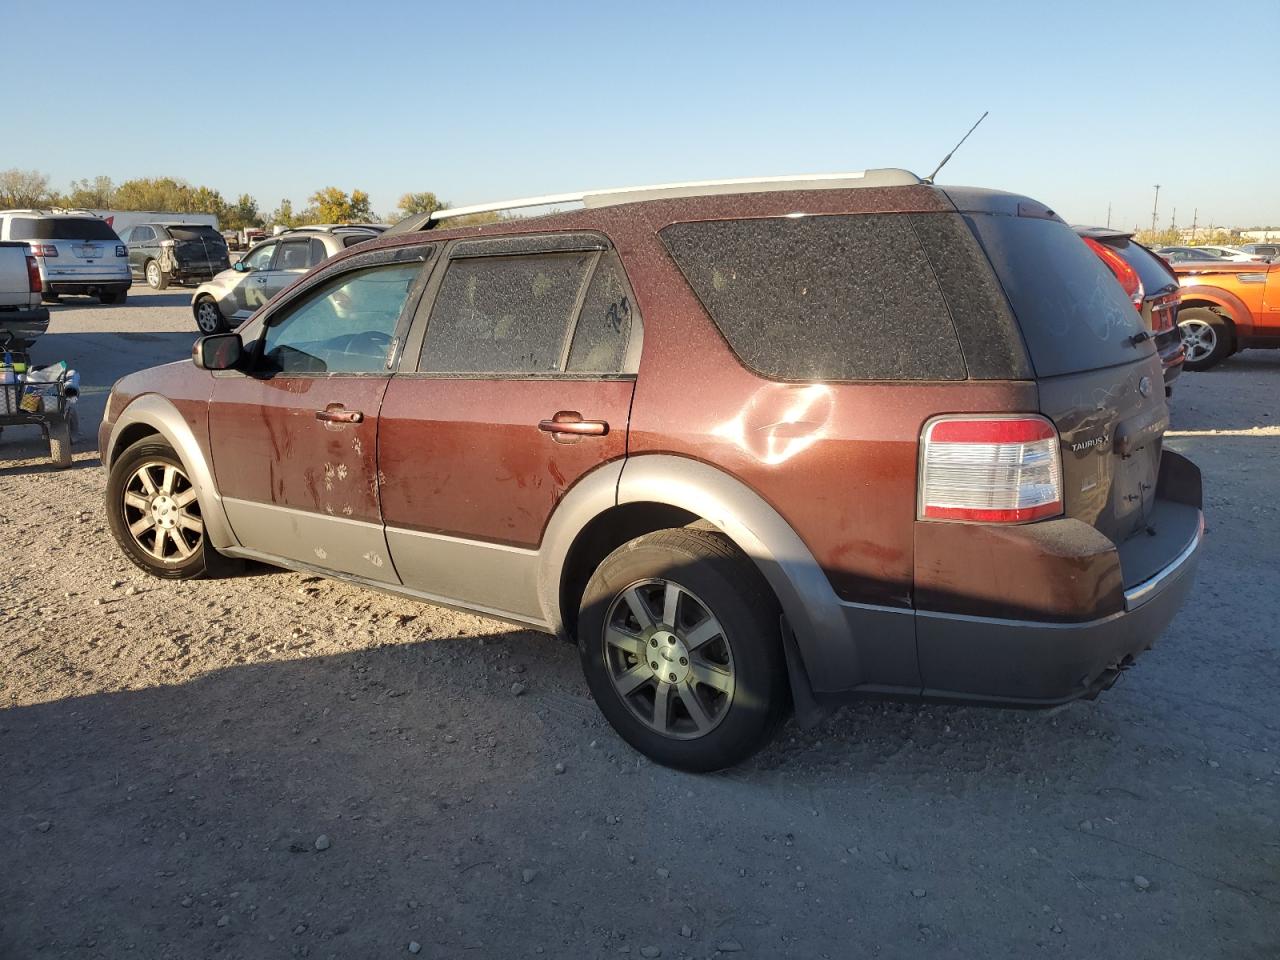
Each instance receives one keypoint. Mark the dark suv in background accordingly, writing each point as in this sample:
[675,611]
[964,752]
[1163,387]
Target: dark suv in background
[1152,287]
[166,252]
[751,444]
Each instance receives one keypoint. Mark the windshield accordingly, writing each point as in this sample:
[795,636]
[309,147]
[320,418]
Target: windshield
[61,228]
[1073,314]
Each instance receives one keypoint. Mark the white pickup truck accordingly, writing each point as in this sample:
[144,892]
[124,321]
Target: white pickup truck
[21,314]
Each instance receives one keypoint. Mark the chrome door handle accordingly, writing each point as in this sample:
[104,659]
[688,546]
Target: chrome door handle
[335,413]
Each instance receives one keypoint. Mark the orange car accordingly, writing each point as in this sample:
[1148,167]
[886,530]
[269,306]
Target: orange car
[1227,307]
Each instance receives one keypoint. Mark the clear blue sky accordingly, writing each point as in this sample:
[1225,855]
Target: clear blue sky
[1090,102]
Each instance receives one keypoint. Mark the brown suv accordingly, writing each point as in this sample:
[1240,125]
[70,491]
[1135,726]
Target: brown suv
[753,444]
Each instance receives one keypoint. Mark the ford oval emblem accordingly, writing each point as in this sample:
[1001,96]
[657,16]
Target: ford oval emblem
[1144,386]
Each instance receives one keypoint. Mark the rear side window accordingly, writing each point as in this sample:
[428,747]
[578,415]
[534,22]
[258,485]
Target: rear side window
[61,228]
[318,252]
[822,297]
[504,315]
[1073,314]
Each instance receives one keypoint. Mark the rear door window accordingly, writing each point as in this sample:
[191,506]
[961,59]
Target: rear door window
[822,297]
[506,315]
[1073,314]
[294,255]
[608,314]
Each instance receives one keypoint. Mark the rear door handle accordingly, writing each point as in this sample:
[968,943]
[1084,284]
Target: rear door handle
[570,423]
[336,413]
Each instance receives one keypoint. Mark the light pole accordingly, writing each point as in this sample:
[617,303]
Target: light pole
[1155,206]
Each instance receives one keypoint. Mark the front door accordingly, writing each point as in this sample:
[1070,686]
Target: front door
[294,435]
[522,386]
[250,290]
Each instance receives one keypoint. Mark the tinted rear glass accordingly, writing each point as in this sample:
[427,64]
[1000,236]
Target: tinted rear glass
[1155,276]
[61,228]
[207,234]
[1073,314]
[822,297]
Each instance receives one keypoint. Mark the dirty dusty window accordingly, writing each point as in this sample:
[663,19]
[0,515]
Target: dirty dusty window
[821,297]
[604,326]
[346,326]
[504,315]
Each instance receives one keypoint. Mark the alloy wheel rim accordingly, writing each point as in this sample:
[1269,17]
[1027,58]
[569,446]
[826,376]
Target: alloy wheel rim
[1199,338]
[205,316]
[162,513]
[669,659]
[153,273]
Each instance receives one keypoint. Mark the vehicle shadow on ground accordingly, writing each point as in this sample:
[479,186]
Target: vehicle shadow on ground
[172,297]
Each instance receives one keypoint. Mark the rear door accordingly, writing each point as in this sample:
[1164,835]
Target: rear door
[294,434]
[517,384]
[1098,373]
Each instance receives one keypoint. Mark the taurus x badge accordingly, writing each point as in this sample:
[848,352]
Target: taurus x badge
[1144,386]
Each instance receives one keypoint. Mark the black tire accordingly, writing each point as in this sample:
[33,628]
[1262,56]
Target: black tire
[726,586]
[59,444]
[209,318]
[157,279]
[1205,328]
[203,560]
[113,296]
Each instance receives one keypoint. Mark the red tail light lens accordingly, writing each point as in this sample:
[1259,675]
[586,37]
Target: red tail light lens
[33,276]
[1117,264]
[43,249]
[990,469]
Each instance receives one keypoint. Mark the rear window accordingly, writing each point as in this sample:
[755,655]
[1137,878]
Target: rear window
[61,228]
[822,297]
[207,234]
[1155,276]
[1073,314]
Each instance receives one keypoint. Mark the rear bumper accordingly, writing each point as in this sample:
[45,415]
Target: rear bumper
[25,324]
[1070,608]
[1035,663]
[86,286]
[198,271]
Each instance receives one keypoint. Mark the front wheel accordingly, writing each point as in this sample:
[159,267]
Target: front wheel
[155,515]
[680,641]
[208,317]
[1206,335]
[157,279]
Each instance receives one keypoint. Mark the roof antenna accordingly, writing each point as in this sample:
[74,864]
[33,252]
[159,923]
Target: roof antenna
[929,178]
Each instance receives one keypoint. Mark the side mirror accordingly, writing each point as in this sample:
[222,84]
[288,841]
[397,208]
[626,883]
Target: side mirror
[240,267]
[220,351]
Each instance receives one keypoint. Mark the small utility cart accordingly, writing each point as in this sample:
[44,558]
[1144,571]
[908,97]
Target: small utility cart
[39,397]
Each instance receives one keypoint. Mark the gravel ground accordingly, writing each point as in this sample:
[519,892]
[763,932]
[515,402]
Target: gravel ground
[277,765]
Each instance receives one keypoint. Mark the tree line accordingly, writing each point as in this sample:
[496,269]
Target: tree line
[31,188]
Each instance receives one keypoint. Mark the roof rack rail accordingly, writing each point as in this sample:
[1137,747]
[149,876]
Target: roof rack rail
[885,177]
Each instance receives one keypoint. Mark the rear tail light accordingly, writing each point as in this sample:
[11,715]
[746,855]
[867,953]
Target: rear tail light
[1117,264]
[990,469]
[121,250]
[43,249]
[33,276]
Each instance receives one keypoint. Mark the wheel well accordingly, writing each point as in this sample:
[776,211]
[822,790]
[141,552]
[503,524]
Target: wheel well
[131,435]
[1217,308]
[601,537]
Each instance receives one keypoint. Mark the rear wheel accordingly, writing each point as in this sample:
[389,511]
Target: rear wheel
[1207,337]
[157,279]
[208,317]
[680,642]
[155,515]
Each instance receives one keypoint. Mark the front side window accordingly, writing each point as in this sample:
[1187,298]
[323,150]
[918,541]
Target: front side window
[344,326]
[260,257]
[294,255]
[504,314]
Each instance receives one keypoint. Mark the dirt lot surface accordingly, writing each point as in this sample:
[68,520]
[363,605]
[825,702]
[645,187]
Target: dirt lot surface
[278,766]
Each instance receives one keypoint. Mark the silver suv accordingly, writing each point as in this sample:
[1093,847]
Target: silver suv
[76,252]
[233,295]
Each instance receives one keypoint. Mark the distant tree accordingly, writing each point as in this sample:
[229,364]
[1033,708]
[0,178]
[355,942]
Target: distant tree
[334,206]
[243,213]
[154,193]
[415,203]
[24,188]
[95,194]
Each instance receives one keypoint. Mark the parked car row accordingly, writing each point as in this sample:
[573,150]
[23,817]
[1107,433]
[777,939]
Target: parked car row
[675,427]
[1249,253]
